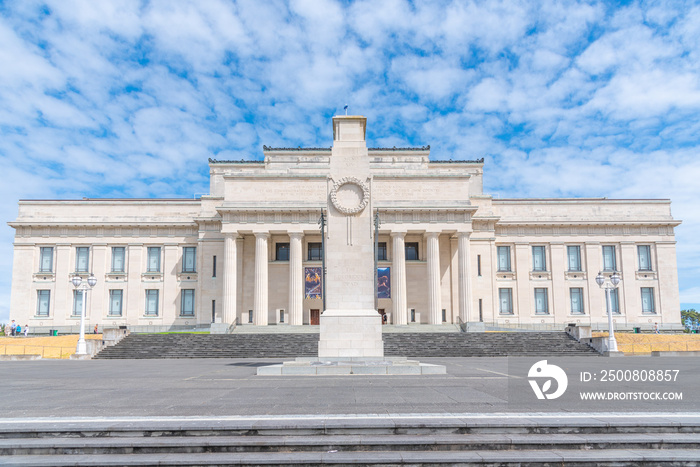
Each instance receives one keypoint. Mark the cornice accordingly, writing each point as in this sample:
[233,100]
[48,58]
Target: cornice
[242,161]
[419,148]
[297,149]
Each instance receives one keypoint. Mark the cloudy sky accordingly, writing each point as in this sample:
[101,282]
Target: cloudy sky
[129,98]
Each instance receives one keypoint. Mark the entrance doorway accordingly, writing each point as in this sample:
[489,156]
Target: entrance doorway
[383,313]
[315,317]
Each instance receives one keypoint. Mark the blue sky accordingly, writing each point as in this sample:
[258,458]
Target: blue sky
[129,98]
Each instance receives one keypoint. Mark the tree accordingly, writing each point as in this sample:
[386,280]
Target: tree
[691,319]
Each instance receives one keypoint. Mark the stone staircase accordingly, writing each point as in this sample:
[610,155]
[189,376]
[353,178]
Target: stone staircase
[306,345]
[214,346]
[509,440]
[498,344]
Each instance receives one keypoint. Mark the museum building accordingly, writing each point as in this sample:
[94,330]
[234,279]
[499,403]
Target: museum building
[251,252]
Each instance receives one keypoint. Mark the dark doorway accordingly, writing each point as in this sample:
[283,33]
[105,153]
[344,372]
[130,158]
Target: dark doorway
[383,313]
[315,317]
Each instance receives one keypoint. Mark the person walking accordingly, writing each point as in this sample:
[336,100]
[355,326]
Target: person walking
[13,328]
[26,330]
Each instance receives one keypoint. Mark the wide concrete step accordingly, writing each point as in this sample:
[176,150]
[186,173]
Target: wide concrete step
[306,345]
[529,440]
[616,457]
[354,443]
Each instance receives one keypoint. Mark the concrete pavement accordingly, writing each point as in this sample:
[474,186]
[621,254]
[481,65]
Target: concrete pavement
[229,387]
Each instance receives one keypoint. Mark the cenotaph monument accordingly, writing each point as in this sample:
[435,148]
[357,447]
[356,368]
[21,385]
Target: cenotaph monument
[350,326]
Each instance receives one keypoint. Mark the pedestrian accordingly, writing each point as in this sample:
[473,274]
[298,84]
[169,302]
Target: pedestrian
[26,330]
[18,330]
[13,327]
[656,328]
[7,329]
[94,331]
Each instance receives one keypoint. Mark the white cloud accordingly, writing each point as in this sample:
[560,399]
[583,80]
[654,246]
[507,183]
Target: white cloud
[126,98]
[431,78]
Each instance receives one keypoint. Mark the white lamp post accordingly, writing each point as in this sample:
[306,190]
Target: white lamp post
[78,283]
[609,285]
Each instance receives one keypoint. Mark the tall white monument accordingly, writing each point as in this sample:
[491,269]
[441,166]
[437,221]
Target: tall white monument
[350,325]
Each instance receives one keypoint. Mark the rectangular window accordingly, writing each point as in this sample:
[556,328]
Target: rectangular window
[189,261]
[152,302]
[478,265]
[46,259]
[250,316]
[541,303]
[43,299]
[82,255]
[538,259]
[411,251]
[77,302]
[648,300]
[118,256]
[381,251]
[615,300]
[413,315]
[503,258]
[644,253]
[315,252]
[153,259]
[115,302]
[213,267]
[609,263]
[444,315]
[576,301]
[282,251]
[574,257]
[505,300]
[187,302]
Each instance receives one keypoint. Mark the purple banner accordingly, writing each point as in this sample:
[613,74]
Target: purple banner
[383,282]
[312,281]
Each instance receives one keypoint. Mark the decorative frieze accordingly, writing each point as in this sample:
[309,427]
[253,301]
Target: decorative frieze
[425,216]
[483,225]
[646,275]
[99,231]
[575,275]
[540,275]
[572,230]
[271,217]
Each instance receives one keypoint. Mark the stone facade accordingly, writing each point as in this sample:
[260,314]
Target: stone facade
[239,253]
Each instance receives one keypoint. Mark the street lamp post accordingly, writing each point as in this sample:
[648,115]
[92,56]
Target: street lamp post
[609,285]
[78,283]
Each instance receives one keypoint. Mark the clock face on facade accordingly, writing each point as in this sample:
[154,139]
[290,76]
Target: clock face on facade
[349,195]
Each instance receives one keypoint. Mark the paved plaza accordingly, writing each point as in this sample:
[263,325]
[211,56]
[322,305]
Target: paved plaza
[229,387]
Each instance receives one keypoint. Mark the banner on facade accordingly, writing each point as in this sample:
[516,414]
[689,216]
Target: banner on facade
[313,282]
[383,282]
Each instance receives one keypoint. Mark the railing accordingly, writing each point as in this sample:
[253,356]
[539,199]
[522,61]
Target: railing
[46,351]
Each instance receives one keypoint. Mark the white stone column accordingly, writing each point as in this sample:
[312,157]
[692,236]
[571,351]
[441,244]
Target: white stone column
[260,298]
[296,280]
[230,278]
[398,279]
[464,277]
[434,310]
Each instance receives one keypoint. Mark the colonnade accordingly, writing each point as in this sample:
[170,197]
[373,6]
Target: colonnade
[296,278]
